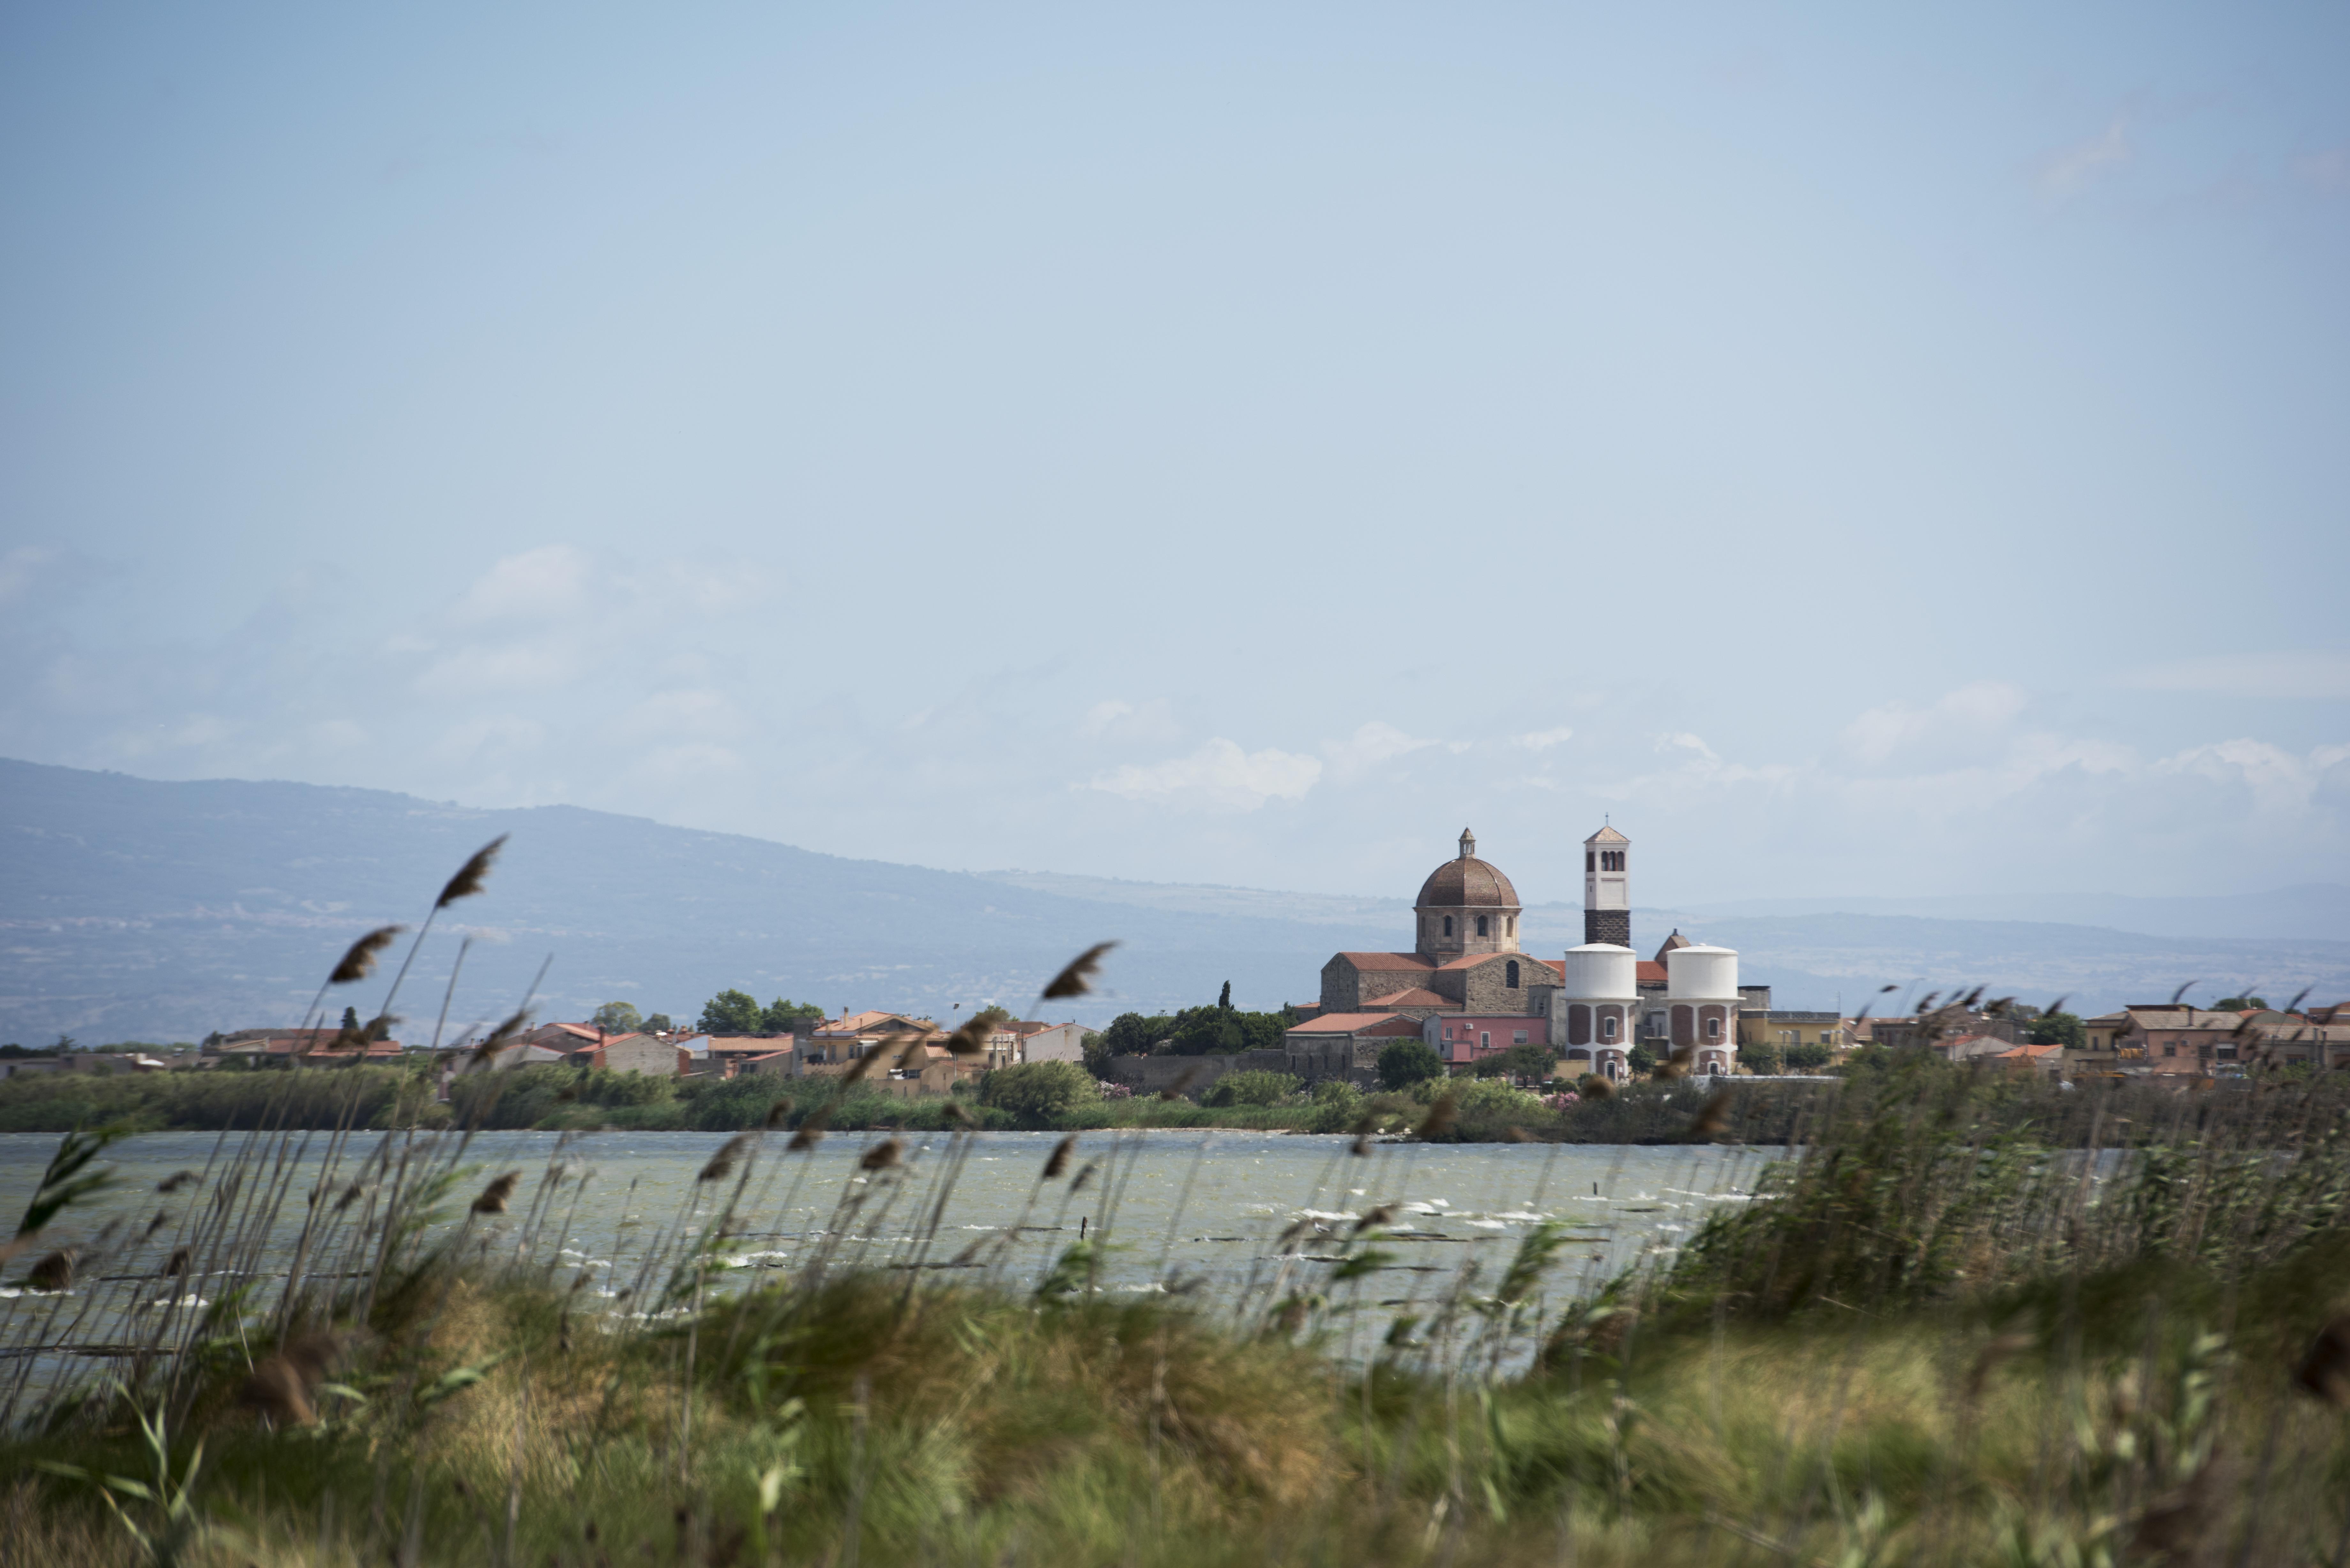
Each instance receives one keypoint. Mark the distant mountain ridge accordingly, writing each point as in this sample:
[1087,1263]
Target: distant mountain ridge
[135,908]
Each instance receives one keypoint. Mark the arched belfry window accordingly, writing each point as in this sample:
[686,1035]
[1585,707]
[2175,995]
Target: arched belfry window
[1448,925]
[1513,925]
[1481,925]
[1510,977]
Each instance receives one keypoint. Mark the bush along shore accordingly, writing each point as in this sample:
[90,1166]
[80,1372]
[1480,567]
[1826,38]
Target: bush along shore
[1932,1337]
[1061,1096]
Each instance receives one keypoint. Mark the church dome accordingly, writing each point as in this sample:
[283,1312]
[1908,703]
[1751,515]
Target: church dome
[1467,882]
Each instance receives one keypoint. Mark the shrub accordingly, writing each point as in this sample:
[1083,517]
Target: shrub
[1036,1092]
[1409,1061]
[1807,1058]
[1111,1089]
[1250,1088]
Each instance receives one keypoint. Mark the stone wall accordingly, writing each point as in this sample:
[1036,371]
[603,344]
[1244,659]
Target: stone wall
[1150,1075]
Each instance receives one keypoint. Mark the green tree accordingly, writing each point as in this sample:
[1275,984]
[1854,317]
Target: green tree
[2225,1004]
[995,1015]
[1036,1092]
[1206,1031]
[1409,1061]
[1224,1001]
[1134,1034]
[785,1016]
[1095,1046]
[2064,1029]
[1250,1088]
[1530,1060]
[350,1021]
[1639,1061]
[659,1023]
[1760,1057]
[730,1013]
[1807,1058]
[618,1018]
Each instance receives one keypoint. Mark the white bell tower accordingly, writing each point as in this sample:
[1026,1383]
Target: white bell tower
[1607,888]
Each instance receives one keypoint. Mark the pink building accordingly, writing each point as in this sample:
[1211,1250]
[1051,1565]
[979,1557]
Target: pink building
[1462,1038]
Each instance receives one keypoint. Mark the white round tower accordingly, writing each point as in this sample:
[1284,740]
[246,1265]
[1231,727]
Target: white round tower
[1702,1005]
[1592,1013]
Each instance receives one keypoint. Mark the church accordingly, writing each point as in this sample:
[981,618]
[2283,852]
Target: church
[1467,988]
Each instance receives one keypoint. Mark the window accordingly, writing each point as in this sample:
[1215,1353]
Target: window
[1713,1028]
[1608,1027]
[1510,975]
[1481,925]
[1448,925]
[1485,1038]
[1519,1038]
[1589,861]
[1513,925]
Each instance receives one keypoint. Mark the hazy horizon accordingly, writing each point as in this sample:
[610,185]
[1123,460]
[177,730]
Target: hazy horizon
[1864,453]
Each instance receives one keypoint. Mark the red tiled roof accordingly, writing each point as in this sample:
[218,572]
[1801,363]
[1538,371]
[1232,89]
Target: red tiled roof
[1646,971]
[1417,996]
[1350,1023]
[1387,960]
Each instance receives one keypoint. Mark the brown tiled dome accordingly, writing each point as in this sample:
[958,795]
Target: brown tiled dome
[1467,882]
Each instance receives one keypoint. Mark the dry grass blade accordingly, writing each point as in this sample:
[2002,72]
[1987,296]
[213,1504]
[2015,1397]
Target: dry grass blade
[1365,1126]
[498,1038]
[1710,1117]
[723,1162]
[176,1180]
[360,960]
[811,1131]
[179,1261]
[1183,1080]
[162,1218]
[1678,1064]
[2324,1369]
[54,1273]
[493,1197]
[1987,1360]
[880,1055]
[1383,1215]
[882,1155]
[1058,1160]
[2178,995]
[1440,1119]
[1072,981]
[471,875]
[1083,1177]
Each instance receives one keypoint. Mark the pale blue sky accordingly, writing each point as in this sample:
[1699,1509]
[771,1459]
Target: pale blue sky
[1864,453]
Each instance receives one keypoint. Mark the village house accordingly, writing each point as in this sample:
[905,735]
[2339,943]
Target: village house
[1052,1041]
[1345,1044]
[1463,1039]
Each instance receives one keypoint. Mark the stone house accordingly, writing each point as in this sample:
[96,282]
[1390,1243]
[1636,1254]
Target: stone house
[1344,1045]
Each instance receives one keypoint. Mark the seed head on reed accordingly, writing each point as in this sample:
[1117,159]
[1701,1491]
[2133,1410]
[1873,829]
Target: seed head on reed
[176,1180]
[1365,1125]
[472,874]
[1711,1118]
[1072,981]
[361,959]
[2324,1369]
[1438,1120]
[493,1197]
[972,1038]
[162,1218]
[778,1114]
[1083,1177]
[1595,1087]
[811,1131]
[54,1273]
[178,1262]
[283,1385]
[723,1162]
[1383,1215]
[1517,1135]
[954,1115]
[1058,1160]
[498,1038]
[1678,1064]
[882,1155]
[1183,1080]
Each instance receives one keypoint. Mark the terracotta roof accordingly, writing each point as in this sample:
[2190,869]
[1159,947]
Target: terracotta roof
[1648,972]
[1387,960]
[1557,967]
[1607,836]
[1467,882]
[1675,940]
[1417,996]
[1351,1023]
[1471,960]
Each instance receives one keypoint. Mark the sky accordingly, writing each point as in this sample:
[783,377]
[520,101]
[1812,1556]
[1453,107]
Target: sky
[1852,450]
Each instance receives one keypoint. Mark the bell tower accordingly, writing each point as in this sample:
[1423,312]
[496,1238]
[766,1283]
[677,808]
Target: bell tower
[1607,888]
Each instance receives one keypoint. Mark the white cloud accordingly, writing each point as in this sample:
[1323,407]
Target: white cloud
[550,580]
[525,665]
[1965,714]
[1102,715]
[1219,774]
[2069,170]
[2318,674]
[19,566]
[1118,718]
[1372,745]
[1543,740]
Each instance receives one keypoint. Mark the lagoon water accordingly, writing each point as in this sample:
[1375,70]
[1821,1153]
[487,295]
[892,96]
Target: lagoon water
[1201,1209]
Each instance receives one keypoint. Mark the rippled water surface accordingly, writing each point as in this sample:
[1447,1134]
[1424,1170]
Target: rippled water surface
[1202,1209]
